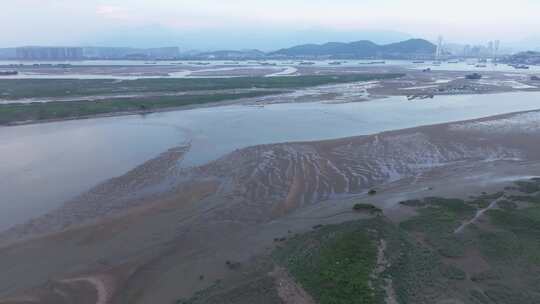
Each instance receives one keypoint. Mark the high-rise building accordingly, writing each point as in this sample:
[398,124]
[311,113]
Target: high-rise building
[467,50]
[490,49]
[439,51]
[496,48]
[49,53]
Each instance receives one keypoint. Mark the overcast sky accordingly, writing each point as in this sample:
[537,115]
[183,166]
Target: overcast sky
[72,22]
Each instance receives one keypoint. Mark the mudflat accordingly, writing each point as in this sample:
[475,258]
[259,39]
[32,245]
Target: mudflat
[162,232]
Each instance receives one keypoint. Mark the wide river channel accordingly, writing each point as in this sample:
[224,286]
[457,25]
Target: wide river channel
[43,165]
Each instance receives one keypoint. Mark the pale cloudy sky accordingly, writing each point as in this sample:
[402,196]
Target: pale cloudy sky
[84,21]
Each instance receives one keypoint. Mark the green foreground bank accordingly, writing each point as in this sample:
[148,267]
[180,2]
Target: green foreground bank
[424,259]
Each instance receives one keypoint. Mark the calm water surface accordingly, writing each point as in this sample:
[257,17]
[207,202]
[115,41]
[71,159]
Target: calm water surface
[281,67]
[45,164]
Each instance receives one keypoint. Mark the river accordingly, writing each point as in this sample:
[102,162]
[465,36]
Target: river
[44,165]
[189,69]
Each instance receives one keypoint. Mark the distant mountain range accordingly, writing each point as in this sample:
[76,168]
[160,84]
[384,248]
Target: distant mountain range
[229,54]
[526,58]
[364,49]
[412,48]
[131,53]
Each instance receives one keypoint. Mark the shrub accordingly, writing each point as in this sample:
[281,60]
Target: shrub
[366,207]
[452,272]
[507,205]
[413,203]
[528,187]
[485,276]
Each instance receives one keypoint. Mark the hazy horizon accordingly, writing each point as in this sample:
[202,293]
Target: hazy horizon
[265,25]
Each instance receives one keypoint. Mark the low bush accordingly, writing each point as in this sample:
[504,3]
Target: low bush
[366,207]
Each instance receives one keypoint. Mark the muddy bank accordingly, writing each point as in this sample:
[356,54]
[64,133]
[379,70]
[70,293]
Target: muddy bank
[160,228]
[273,179]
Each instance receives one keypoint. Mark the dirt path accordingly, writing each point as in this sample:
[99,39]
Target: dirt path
[22,299]
[479,213]
[103,293]
[289,291]
[382,264]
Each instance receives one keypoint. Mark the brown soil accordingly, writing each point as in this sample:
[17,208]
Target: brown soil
[289,291]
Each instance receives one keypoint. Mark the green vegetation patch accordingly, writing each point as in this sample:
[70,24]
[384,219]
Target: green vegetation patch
[437,220]
[507,295]
[439,215]
[507,205]
[414,271]
[414,203]
[209,90]
[335,263]
[531,186]
[478,297]
[258,289]
[362,207]
[484,200]
[488,275]
[39,88]
[453,273]
[424,255]
[533,199]
[10,113]
[518,238]
[252,284]
[523,222]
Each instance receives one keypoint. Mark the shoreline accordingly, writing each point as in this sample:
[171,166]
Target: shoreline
[134,112]
[255,195]
[414,85]
[181,150]
[183,93]
[248,101]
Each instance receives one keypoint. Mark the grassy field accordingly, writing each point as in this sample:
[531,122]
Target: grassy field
[427,258]
[10,113]
[334,264]
[40,88]
[494,261]
[506,242]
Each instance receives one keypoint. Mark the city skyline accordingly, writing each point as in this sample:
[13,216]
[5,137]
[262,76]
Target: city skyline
[203,24]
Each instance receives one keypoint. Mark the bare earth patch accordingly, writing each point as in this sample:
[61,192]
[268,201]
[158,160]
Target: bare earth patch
[289,291]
